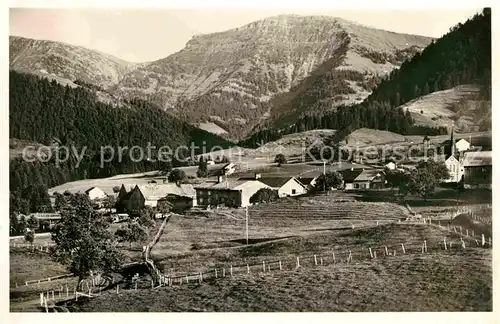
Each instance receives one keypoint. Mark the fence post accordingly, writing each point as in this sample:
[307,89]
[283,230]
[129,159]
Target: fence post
[386,251]
[280,265]
[298,262]
[333,255]
[215,273]
[371,253]
[117,289]
[231,269]
[223,272]
[41,299]
[350,256]
[264,266]
[136,285]
[315,260]
[248,268]
[482,240]
[53,298]
[321,260]
[425,245]
[403,247]
[444,242]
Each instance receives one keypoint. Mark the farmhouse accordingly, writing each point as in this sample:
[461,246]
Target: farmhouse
[286,186]
[369,179]
[227,192]
[390,166]
[477,169]
[149,195]
[462,145]
[95,193]
[348,177]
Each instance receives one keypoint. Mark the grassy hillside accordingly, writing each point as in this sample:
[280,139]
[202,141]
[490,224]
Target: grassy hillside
[462,107]
[461,279]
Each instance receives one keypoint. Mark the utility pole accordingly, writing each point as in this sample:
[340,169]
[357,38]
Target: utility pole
[246,223]
[324,175]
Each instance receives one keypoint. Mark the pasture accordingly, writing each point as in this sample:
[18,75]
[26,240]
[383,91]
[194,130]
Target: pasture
[339,222]
[461,279]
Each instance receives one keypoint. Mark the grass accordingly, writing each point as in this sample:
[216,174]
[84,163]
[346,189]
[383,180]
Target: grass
[442,281]
[26,265]
[291,227]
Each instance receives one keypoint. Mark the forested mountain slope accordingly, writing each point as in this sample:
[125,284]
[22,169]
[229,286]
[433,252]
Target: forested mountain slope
[45,112]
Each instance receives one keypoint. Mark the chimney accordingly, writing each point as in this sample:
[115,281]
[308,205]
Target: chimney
[257,176]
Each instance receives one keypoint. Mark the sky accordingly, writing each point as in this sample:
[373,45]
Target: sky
[143,35]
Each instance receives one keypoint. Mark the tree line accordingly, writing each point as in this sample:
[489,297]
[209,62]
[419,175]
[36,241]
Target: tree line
[46,112]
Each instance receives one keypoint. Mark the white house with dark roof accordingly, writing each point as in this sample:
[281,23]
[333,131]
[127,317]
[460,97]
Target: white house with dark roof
[227,192]
[286,186]
[95,193]
[370,179]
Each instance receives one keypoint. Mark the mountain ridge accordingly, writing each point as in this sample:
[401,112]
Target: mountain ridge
[232,75]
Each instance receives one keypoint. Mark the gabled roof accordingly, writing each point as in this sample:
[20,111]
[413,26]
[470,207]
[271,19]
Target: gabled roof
[480,158]
[349,175]
[306,181]
[277,182]
[158,191]
[368,175]
[451,158]
[229,184]
[92,188]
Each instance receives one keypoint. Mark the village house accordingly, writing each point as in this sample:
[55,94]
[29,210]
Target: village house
[390,166]
[462,145]
[348,177]
[477,169]
[95,193]
[369,179]
[181,196]
[227,192]
[286,186]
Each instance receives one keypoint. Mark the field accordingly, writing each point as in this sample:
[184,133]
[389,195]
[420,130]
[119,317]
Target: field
[337,222]
[461,279]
